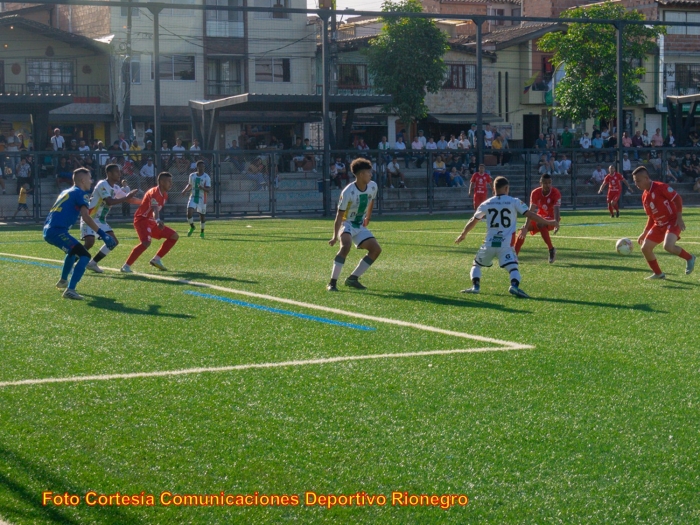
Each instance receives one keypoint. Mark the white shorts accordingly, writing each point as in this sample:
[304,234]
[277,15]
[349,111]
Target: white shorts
[359,235]
[486,254]
[199,208]
[86,231]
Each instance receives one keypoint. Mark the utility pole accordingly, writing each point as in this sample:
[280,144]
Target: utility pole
[479,94]
[155,10]
[127,126]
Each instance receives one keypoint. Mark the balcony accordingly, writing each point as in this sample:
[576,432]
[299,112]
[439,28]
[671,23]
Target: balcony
[344,89]
[223,89]
[81,93]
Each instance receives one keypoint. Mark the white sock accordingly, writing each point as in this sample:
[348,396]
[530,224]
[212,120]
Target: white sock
[337,267]
[475,272]
[104,250]
[202,225]
[364,265]
[191,221]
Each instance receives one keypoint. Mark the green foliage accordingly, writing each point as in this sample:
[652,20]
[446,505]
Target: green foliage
[405,60]
[589,54]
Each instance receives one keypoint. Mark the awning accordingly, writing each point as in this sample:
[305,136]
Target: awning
[462,118]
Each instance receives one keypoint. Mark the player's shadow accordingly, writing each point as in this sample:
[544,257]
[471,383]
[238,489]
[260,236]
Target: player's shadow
[24,486]
[603,267]
[269,237]
[107,303]
[636,307]
[191,276]
[445,300]
[681,285]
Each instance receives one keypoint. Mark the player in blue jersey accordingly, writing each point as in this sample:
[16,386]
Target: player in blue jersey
[71,204]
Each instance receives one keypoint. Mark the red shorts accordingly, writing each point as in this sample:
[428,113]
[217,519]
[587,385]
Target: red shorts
[149,229]
[657,234]
[478,199]
[614,197]
[536,228]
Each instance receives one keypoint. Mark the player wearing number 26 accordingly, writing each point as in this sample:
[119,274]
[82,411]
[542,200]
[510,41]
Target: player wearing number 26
[500,213]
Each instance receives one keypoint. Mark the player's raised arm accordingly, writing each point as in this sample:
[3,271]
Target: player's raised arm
[111,201]
[467,228]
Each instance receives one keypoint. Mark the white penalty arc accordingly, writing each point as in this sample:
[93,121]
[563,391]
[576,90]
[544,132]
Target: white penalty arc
[510,345]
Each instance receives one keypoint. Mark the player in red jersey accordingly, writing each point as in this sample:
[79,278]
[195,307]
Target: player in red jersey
[546,200]
[149,225]
[614,180]
[664,208]
[480,183]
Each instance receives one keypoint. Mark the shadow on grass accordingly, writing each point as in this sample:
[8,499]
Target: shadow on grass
[191,276]
[29,479]
[684,285]
[107,303]
[444,300]
[636,307]
[603,267]
[269,237]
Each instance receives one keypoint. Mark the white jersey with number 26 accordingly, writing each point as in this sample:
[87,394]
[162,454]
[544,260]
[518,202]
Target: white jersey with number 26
[500,214]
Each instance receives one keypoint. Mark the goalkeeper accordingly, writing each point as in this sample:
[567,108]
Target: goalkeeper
[71,204]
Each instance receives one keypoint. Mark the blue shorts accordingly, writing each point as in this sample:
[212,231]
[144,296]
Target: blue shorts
[61,239]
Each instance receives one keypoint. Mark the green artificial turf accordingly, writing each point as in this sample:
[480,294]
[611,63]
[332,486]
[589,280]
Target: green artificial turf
[598,423]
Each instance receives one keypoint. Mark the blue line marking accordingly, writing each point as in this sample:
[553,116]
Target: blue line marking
[32,263]
[281,312]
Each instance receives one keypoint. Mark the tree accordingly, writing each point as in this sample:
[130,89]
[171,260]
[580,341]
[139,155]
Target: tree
[588,53]
[405,60]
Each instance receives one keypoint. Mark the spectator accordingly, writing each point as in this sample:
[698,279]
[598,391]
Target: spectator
[687,169]
[464,142]
[497,146]
[472,166]
[696,164]
[12,144]
[440,172]
[637,143]
[567,138]
[563,166]
[234,159]
[611,145]
[453,143]
[361,145]
[421,138]
[3,158]
[148,174]
[670,140]
[393,171]
[84,149]
[541,143]
[585,143]
[417,148]
[604,134]
[488,136]
[123,143]
[543,167]
[195,146]
[339,173]
[442,143]
[626,141]
[654,160]
[674,167]
[431,145]
[598,176]
[165,156]
[597,145]
[646,139]
[22,199]
[657,140]
[552,142]
[696,187]
[456,179]
[58,143]
[89,165]
[385,148]
[471,135]
[135,157]
[179,157]
[64,174]
[148,148]
[257,172]
[626,166]
[24,173]
[400,147]
[695,139]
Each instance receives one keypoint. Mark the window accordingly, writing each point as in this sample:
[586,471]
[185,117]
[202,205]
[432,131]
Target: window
[134,11]
[224,77]
[352,76]
[136,69]
[681,16]
[225,24]
[175,67]
[460,76]
[547,70]
[499,12]
[272,70]
[50,75]
[272,4]
[687,79]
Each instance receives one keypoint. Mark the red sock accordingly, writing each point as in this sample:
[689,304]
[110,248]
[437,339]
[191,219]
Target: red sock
[136,253]
[519,244]
[654,265]
[617,205]
[547,239]
[610,207]
[685,255]
[166,247]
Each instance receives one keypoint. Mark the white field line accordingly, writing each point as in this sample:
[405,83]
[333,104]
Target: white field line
[510,344]
[187,371]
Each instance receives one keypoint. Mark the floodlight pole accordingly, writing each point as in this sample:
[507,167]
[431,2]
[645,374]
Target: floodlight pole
[479,94]
[619,26]
[155,10]
[326,116]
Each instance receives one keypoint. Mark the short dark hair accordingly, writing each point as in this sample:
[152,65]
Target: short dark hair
[545,176]
[359,165]
[164,174]
[639,170]
[111,167]
[201,162]
[500,182]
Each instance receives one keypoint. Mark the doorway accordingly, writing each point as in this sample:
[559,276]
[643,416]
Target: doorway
[531,130]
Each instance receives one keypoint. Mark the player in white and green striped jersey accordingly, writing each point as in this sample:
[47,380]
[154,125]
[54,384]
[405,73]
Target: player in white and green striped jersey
[199,186]
[354,213]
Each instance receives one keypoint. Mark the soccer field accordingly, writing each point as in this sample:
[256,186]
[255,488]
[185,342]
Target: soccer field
[236,373]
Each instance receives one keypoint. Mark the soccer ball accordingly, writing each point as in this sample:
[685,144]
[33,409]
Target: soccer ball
[624,246]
